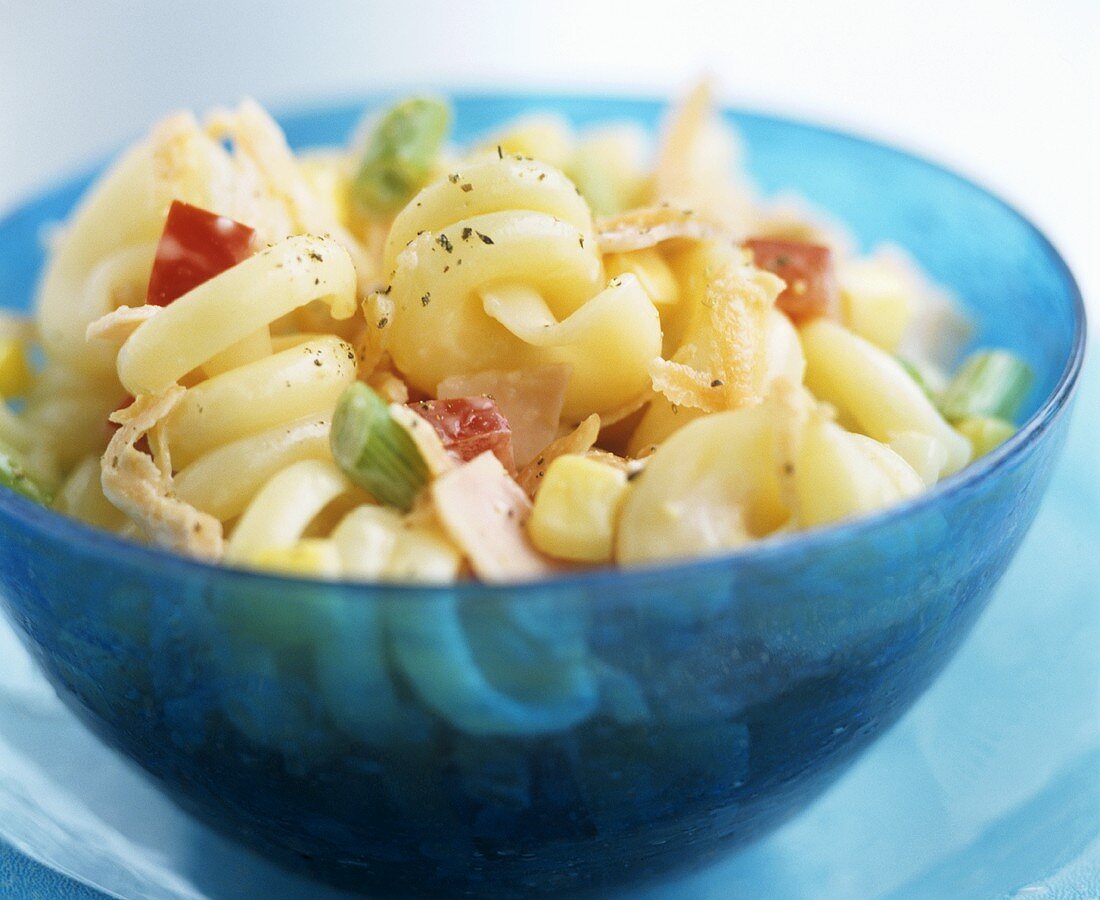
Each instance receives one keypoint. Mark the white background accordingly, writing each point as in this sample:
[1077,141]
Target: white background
[1008,92]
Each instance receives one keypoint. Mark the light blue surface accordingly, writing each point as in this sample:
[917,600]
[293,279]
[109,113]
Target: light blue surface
[935,808]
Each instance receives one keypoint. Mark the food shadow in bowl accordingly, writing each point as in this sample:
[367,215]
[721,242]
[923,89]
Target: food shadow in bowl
[587,732]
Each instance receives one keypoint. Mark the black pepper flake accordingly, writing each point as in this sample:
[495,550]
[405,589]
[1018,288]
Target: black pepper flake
[318,363]
[542,175]
[466,232]
[383,322]
[426,298]
[485,239]
[446,269]
[315,256]
[630,476]
[316,281]
[351,355]
[389,287]
[500,153]
[467,187]
[542,461]
[445,243]
[716,383]
[453,178]
[580,240]
[788,468]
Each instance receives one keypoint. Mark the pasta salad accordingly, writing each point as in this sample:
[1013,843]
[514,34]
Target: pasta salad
[407,361]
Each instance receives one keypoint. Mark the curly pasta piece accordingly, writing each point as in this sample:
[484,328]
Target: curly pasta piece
[142,489]
[278,515]
[495,267]
[284,387]
[233,305]
[713,486]
[224,481]
[869,385]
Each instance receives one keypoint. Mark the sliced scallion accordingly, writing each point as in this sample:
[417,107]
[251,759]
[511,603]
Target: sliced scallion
[374,451]
[990,383]
[13,475]
[399,154]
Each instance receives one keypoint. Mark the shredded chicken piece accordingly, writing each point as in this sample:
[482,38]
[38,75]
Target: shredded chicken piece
[189,166]
[483,511]
[117,326]
[578,441]
[695,162]
[426,438]
[530,399]
[261,151]
[721,362]
[653,225]
[142,487]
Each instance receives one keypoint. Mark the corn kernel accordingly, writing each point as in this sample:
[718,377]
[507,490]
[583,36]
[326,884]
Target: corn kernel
[876,301]
[15,374]
[651,271]
[310,557]
[985,433]
[577,508]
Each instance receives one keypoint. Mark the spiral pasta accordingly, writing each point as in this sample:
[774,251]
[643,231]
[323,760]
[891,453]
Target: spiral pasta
[495,267]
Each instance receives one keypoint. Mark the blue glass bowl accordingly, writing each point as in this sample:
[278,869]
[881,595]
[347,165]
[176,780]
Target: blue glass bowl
[586,732]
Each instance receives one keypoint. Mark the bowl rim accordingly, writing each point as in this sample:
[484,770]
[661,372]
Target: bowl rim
[53,525]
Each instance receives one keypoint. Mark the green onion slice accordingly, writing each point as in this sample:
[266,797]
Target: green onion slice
[13,475]
[990,383]
[400,153]
[374,451]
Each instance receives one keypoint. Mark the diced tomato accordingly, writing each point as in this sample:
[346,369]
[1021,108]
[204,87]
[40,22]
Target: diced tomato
[195,245]
[468,426]
[811,289]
